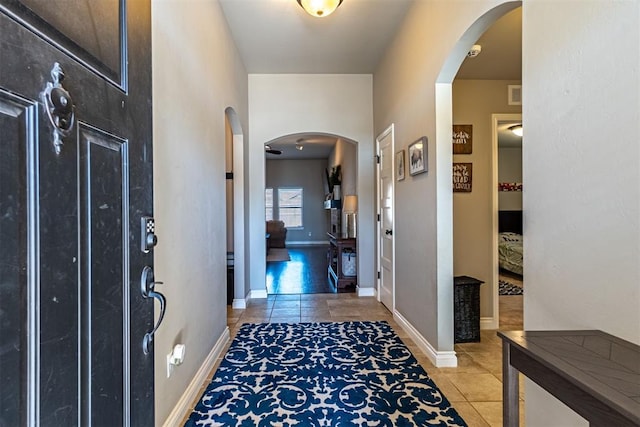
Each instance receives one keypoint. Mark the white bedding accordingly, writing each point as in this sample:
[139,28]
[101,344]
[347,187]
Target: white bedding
[510,252]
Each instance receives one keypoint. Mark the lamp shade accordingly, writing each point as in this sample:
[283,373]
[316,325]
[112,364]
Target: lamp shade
[319,8]
[350,204]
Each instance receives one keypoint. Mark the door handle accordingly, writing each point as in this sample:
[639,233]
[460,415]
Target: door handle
[388,232]
[147,288]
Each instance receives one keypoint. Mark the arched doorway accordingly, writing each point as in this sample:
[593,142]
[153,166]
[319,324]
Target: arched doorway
[235,209]
[481,91]
[302,205]
[444,155]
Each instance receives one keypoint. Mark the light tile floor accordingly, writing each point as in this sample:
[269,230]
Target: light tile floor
[474,388]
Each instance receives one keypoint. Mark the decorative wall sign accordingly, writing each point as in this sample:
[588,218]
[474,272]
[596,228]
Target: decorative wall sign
[509,186]
[400,165]
[462,177]
[462,139]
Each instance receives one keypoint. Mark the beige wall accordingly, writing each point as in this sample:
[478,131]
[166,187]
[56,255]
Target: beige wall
[582,198]
[342,107]
[197,74]
[582,194]
[474,101]
[581,166]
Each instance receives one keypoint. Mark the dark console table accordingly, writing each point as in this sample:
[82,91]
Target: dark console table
[594,373]
[339,246]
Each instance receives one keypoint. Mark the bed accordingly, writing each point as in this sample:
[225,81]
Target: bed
[510,241]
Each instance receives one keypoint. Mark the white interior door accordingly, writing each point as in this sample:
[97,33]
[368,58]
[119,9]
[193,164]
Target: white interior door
[385,219]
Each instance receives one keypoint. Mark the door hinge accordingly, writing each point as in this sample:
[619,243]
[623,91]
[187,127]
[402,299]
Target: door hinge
[378,217]
[229,175]
[378,274]
[377,159]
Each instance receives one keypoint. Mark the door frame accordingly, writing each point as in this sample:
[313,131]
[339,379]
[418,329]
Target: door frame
[494,323]
[239,299]
[389,130]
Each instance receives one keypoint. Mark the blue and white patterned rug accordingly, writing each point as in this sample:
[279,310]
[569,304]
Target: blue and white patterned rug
[508,288]
[321,374]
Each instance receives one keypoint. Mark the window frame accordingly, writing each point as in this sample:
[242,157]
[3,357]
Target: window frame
[272,207]
[301,207]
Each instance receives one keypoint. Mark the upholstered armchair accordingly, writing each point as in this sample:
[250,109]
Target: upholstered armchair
[277,234]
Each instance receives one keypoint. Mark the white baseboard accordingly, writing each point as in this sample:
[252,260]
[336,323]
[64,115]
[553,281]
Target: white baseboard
[257,294]
[440,359]
[488,323]
[183,407]
[308,243]
[366,292]
[240,303]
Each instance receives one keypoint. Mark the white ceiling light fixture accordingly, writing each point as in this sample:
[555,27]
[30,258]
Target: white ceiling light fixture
[319,8]
[516,129]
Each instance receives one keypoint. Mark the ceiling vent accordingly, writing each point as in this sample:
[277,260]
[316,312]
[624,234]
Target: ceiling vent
[515,94]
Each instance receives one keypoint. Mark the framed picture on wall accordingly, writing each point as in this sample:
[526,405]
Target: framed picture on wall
[400,165]
[418,156]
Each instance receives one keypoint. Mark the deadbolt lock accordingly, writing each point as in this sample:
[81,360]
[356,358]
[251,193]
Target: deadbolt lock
[148,238]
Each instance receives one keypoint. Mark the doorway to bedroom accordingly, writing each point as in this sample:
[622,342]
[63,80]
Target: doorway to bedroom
[508,133]
[487,82]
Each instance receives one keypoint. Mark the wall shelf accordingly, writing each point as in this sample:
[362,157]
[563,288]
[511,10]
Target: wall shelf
[333,204]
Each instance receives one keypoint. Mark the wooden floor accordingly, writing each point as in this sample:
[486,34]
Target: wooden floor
[305,273]
[474,388]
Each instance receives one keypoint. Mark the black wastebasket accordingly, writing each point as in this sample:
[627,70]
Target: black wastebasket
[466,309]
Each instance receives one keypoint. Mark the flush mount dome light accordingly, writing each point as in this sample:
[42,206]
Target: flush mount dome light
[516,129]
[319,8]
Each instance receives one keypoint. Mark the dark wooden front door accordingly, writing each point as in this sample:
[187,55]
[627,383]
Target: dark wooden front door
[72,195]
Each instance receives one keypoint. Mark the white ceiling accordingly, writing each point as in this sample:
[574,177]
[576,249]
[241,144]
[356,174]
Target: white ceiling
[314,146]
[279,37]
[501,55]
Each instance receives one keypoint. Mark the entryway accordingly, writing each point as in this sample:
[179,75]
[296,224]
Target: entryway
[310,186]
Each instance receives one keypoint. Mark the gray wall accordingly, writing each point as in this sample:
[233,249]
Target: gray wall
[308,174]
[345,154]
[342,107]
[412,90]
